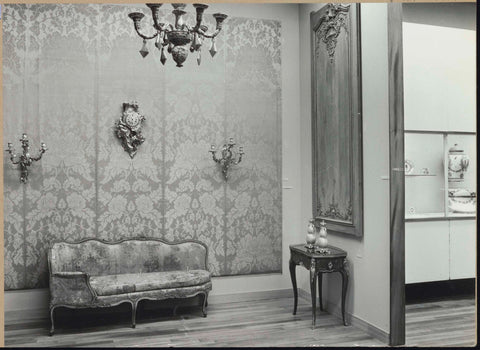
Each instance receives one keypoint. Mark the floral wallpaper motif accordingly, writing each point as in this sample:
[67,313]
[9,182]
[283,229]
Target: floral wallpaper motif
[67,69]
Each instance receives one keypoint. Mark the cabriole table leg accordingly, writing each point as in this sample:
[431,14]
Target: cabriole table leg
[344,293]
[293,276]
[313,292]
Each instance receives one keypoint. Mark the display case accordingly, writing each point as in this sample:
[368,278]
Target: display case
[440,174]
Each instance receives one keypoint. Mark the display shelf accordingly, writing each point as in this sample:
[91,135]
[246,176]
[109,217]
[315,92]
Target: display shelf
[407,175]
[429,158]
[409,216]
[461,215]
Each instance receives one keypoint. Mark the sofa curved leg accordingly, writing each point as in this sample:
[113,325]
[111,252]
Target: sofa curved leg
[52,327]
[204,305]
[134,313]
[175,310]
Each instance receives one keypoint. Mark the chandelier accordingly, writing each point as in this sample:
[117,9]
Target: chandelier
[177,37]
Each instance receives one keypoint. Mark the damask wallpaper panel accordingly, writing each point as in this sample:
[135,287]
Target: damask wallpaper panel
[130,200]
[13,73]
[60,199]
[253,95]
[64,84]
[194,190]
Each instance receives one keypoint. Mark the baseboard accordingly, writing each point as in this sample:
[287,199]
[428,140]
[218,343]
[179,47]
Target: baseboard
[250,296]
[26,299]
[355,321]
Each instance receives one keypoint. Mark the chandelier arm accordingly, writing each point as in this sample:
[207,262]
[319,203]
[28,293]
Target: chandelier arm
[210,36]
[143,36]
[156,24]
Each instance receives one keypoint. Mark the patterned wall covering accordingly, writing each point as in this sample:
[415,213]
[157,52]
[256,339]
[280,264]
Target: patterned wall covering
[68,68]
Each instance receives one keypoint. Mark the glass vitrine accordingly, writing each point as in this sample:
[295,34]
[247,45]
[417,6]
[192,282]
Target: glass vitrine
[440,174]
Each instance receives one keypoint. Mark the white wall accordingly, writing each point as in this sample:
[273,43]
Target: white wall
[439,57]
[368,295]
[439,49]
[293,226]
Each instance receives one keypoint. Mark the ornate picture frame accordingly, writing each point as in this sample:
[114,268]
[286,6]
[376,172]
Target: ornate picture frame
[337,118]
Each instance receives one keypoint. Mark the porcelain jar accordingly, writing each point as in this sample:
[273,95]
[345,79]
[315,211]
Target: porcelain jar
[457,164]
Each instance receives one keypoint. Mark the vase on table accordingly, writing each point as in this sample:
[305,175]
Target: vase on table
[311,238]
[321,243]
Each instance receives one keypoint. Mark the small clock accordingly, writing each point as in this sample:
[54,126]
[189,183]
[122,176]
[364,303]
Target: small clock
[132,119]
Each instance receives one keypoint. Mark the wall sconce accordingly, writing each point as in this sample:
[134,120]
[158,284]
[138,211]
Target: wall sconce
[25,160]
[229,157]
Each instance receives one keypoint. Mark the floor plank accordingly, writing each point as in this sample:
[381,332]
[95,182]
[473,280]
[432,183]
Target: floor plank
[441,323]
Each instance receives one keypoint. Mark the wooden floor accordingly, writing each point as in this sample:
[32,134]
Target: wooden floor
[255,323]
[441,323]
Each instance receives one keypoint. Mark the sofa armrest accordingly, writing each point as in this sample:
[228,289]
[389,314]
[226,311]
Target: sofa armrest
[71,288]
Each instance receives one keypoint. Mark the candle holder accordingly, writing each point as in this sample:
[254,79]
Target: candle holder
[229,156]
[25,160]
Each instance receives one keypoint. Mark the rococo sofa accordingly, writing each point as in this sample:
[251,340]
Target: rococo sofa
[96,273]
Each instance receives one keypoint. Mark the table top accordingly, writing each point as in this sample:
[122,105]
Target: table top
[334,251]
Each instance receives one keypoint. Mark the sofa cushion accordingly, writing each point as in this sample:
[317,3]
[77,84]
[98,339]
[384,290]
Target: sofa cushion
[139,282]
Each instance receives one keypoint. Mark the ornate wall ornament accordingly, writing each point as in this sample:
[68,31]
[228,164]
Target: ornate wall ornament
[128,128]
[330,27]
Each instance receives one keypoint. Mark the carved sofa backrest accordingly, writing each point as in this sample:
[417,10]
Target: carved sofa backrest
[96,257]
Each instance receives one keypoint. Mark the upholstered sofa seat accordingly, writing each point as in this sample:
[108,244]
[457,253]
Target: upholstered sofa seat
[141,282]
[95,273]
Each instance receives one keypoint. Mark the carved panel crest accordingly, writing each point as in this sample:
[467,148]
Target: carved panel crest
[331,24]
[334,212]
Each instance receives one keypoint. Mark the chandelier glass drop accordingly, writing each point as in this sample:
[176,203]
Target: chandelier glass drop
[177,37]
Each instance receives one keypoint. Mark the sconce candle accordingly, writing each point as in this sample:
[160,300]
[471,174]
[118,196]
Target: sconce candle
[229,157]
[25,160]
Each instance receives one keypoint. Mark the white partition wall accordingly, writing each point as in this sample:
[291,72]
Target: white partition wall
[439,48]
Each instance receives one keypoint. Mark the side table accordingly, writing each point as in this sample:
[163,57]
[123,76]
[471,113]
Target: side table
[318,264]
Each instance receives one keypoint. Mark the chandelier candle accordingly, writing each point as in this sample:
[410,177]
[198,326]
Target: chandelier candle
[176,37]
